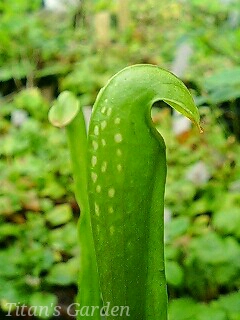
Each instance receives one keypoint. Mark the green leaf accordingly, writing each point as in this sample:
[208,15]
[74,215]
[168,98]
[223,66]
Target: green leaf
[56,69]
[64,238]
[32,101]
[171,252]
[42,304]
[13,291]
[230,303]
[64,273]
[53,189]
[224,85]
[16,70]
[174,273]
[8,229]
[228,221]
[59,215]
[35,226]
[223,94]
[209,248]
[64,110]
[176,227]
[37,258]
[207,312]
[9,262]
[126,202]
[227,77]
[183,309]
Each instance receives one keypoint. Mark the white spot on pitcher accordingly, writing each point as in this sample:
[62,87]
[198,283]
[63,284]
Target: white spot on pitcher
[94,161]
[104,166]
[97,211]
[118,138]
[117,120]
[95,145]
[98,188]
[111,192]
[94,177]
[119,152]
[119,167]
[96,130]
[112,229]
[103,109]
[103,124]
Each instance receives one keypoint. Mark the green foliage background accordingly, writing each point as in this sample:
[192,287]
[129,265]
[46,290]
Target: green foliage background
[43,53]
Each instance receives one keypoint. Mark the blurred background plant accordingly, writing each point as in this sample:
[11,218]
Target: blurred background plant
[47,47]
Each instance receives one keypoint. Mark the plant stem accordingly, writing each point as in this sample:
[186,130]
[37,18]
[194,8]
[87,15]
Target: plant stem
[89,293]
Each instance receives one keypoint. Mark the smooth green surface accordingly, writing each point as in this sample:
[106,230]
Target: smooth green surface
[127,172]
[34,165]
[89,294]
[66,112]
